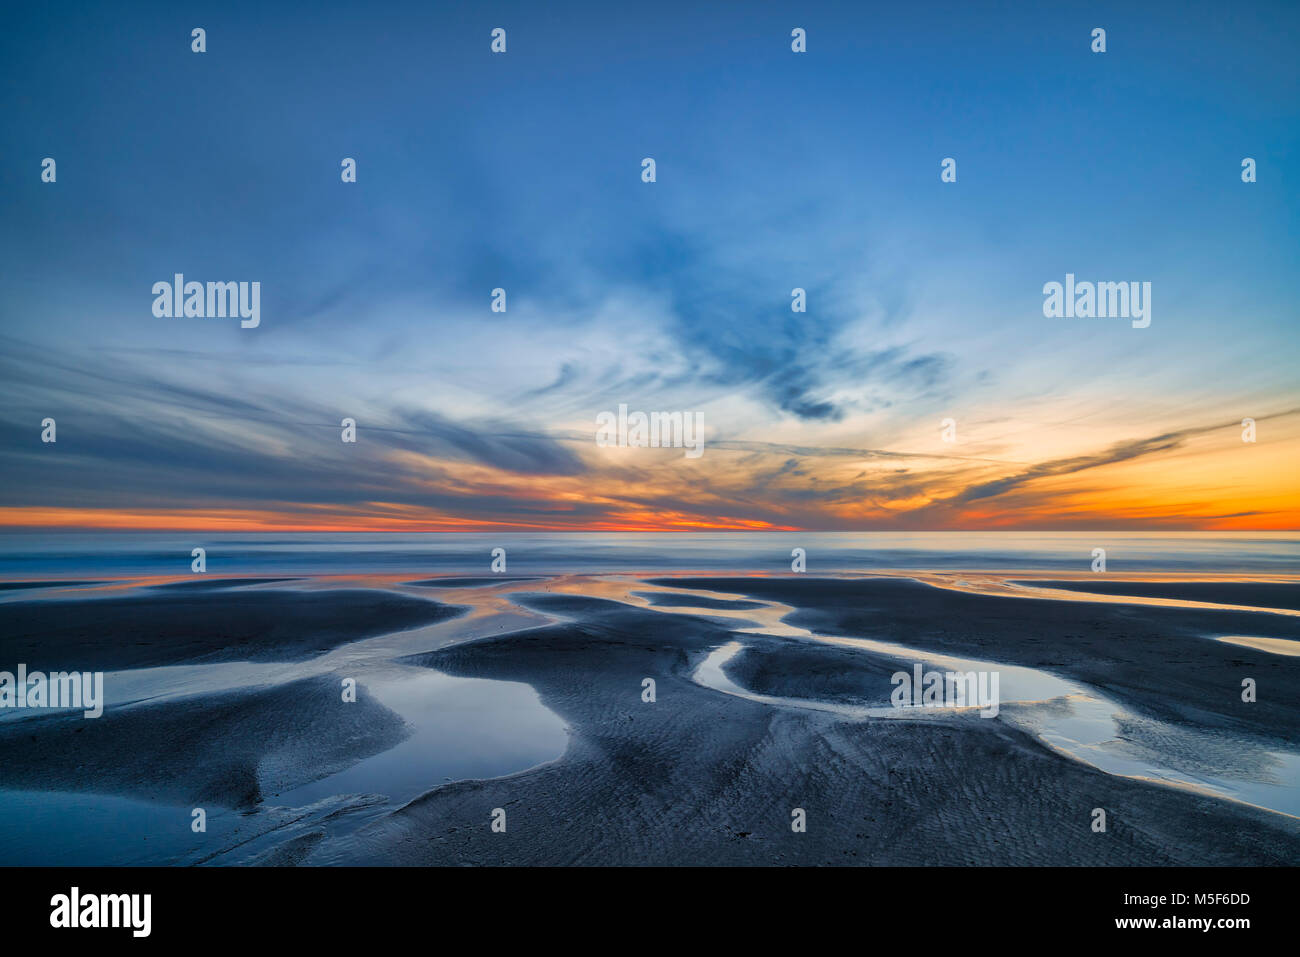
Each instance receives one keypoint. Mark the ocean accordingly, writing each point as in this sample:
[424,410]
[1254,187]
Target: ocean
[28,555]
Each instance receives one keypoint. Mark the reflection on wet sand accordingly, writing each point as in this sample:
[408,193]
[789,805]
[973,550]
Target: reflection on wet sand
[512,730]
[1274,646]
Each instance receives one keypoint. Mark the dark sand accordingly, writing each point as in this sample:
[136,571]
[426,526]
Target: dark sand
[697,777]
[468,582]
[18,586]
[1158,661]
[789,668]
[216,584]
[150,629]
[667,600]
[233,749]
[1256,594]
[705,778]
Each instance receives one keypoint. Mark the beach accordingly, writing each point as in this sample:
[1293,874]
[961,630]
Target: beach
[771,703]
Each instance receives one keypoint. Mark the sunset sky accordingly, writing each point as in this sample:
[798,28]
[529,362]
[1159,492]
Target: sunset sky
[775,170]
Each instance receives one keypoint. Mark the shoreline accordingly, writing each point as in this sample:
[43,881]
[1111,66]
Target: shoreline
[584,644]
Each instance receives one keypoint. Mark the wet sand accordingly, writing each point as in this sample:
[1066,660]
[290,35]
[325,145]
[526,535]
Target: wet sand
[215,622]
[230,750]
[697,776]
[1160,661]
[1256,594]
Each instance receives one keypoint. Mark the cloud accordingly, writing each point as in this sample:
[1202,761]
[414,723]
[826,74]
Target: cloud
[1119,452]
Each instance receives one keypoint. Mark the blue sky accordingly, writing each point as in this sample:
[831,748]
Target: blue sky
[775,170]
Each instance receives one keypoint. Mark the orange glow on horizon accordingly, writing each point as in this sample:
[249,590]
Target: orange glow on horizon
[233,520]
[1207,480]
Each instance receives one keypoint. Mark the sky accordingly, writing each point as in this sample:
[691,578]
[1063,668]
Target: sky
[775,170]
